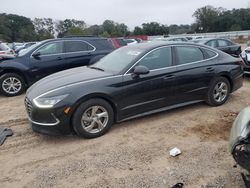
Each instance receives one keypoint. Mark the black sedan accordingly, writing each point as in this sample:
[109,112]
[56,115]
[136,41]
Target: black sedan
[130,82]
[222,44]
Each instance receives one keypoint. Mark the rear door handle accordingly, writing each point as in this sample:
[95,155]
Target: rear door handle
[168,77]
[59,58]
[210,69]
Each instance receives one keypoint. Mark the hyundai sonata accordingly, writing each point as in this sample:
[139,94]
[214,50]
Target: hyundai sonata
[130,82]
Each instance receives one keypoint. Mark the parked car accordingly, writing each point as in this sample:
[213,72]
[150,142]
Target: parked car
[48,57]
[6,57]
[16,45]
[5,50]
[25,46]
[246,57]
[177,39]
[130,82]
[222,44]
[240,142]
[118,42]
[131,41]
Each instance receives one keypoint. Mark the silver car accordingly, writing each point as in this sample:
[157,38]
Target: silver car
[240,142]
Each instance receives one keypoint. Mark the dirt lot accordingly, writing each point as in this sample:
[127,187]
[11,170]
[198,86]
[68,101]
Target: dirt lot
[132,154]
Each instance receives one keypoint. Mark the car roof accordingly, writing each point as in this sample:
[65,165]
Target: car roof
[204,40]
[88,38]
[154,44]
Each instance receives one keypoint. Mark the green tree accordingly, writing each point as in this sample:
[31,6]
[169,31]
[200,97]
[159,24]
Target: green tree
[62,27]
[154,28]
[44,28]
[14,28]
[138,31]
[206,17]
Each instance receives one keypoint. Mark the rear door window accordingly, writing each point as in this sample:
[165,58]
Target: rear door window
[212,43]
[188,54]
[209,53]
[159,58]
[77,46]
[223,43]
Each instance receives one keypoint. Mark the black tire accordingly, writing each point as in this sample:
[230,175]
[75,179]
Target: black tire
[16,77]
[78,114]
[210,98]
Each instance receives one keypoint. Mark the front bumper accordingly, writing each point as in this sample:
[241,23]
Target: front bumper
[247,70]
[240,139]
[51,121]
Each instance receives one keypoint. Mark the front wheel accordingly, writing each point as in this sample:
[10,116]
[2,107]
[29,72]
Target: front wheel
[93,118]
[11,84]
[218,92]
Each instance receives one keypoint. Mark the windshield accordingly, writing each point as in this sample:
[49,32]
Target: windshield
[118,60]
[25,51]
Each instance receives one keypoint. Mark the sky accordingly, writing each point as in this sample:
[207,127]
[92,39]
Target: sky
[131,12]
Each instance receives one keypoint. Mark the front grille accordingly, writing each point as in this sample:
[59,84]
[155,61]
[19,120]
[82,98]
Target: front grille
[28,106]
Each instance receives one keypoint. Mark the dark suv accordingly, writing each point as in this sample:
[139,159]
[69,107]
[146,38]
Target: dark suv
[47,57]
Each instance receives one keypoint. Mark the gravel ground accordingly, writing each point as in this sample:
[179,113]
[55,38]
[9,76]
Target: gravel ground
[133,154]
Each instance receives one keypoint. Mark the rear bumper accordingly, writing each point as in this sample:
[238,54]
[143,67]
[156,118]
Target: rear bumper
[237,83]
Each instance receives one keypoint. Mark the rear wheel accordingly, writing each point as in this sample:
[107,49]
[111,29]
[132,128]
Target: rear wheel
[11,84]
[93,118]
[218,92]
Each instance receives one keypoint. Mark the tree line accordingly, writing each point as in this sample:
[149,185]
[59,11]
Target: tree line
[207,19]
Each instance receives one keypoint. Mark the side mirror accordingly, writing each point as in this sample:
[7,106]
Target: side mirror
[140,70]
[36,55]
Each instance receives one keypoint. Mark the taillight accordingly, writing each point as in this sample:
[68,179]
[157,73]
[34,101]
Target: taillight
[2,52]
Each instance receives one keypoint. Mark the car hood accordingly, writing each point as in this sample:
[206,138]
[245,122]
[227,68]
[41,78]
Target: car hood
[64,78]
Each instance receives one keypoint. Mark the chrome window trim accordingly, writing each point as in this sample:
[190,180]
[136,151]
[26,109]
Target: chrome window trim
[174,66]
[94,48]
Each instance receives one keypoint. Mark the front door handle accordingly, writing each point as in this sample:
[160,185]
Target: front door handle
[168,77]
[210,69]
[59,58]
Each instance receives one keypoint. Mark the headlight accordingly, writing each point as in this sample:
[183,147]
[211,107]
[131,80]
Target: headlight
[48,102]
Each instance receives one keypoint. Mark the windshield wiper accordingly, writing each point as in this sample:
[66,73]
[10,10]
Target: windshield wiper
[97,68]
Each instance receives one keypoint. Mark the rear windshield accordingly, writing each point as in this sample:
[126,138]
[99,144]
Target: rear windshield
[101,44]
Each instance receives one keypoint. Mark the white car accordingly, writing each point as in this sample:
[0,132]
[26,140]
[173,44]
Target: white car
[5,50]
[245,54]
[130,41]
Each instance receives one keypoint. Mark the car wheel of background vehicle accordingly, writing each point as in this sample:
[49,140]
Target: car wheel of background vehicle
[218,92]
[93,118]
[11,84]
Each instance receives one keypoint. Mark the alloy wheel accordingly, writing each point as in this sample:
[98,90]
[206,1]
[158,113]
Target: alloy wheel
[94,119]
[220,92]
[11,85]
